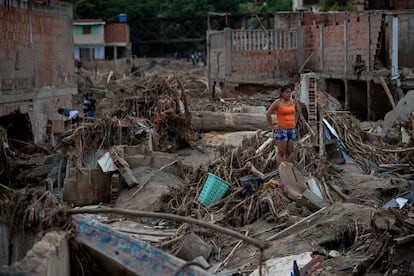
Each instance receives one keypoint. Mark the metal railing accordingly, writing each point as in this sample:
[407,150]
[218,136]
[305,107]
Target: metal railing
[262,40]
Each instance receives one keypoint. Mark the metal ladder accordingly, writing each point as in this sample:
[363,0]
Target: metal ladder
[313,105]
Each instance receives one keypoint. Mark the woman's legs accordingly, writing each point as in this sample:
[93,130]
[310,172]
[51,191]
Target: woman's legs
[281,152]
[284,142]
[288,152]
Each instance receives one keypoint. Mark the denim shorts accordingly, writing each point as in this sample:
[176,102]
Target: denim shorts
[285,134]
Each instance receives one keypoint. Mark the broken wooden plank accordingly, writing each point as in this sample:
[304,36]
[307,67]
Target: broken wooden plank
[254,170]
[275,236]
[387,91]
[124,169]
[264,145]
[405,239]
[338,191]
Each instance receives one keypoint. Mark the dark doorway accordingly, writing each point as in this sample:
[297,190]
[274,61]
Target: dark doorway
[357,99]
[18,127]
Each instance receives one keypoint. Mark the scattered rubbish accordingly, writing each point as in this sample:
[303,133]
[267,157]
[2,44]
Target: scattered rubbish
[313,186]
[106,163]
[285,265]
[251,183]
[401,200]
[330,130]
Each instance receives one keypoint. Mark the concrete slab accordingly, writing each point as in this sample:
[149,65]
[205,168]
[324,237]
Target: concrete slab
[149,198]
[403,109]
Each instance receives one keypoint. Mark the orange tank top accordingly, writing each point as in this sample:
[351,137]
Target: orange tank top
[285,115]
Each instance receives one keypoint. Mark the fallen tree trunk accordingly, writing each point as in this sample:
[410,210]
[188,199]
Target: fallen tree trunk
[146,214]
[222,121]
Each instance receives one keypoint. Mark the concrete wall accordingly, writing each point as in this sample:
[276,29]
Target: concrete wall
[47,257]
[36,60]
[85,186]
[406,40]
[216,58]
[90,39]
[13,249]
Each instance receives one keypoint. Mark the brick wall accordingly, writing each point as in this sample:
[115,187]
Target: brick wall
[117,32]
[35,48]
[333,43]
[16,53]
[357,39]
[36,60]
[261,65]
[287,20]
[361,31]
[402,4]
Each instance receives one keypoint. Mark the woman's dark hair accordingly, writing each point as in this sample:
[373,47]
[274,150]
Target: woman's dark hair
[61,110]
[284,87]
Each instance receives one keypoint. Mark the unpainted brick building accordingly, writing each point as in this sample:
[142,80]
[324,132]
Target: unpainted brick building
[37,74]
[349,51]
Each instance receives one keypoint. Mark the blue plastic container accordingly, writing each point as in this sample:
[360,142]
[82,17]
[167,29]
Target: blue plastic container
[122,18]
[213,190]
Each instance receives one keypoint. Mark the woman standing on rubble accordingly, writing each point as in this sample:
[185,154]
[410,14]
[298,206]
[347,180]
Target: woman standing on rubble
[284,129]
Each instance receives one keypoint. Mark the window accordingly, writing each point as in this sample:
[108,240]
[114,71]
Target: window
[86,53]
[86,29]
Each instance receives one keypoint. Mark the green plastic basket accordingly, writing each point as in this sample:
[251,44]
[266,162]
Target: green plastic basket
[214,189]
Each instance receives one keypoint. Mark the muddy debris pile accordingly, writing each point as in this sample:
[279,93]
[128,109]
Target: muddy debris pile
[343,205]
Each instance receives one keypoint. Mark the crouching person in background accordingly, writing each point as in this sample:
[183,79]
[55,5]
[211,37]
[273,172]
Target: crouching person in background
[72,115]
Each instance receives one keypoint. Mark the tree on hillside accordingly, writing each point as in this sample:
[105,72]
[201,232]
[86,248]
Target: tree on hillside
[110,9]
[227,5]
[279,5]
[185,8]
[336,5]
[269,6]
